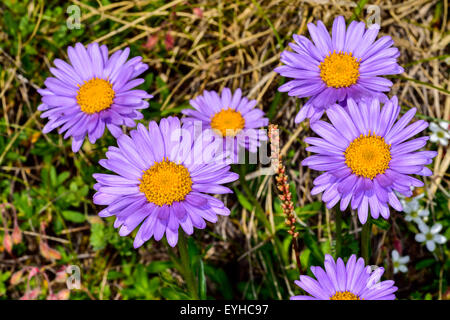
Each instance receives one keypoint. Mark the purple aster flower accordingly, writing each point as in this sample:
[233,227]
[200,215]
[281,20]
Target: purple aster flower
[231,117]
[351,281]
[92,91]
[366,156]
[162,175]
[345,65]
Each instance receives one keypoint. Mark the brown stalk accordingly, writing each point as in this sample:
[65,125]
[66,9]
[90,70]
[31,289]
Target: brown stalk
[284,192]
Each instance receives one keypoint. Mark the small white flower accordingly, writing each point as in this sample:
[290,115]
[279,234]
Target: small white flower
[413,210]
[430,236]
[440,133]
[399,262]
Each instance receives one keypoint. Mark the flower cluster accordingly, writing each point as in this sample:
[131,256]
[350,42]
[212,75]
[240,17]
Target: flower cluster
[366,153]
[441,133]
[163,174]
[416,213]
[158,183]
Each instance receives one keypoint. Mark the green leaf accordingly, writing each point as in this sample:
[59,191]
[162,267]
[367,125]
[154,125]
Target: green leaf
[310,208]
[304,257]
[381,223]
[243,200]
[53,178]
[97,239]
[276,102]
[220,277]
[63,177]
[159,266]
[162,86]
[11,24]
[424,263]
[153,285]
[73,216]
[173,294]
[175,110]
[114,275]
[201,281]
[311,243]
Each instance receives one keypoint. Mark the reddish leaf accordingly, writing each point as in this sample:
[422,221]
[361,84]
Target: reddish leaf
[32,272]
[48,253]
[398,245]
[16,278]
[169,41]
[198,12]
[31,295]
[17,235]
[63,294]
[61,276]
[151,42]
[7,242]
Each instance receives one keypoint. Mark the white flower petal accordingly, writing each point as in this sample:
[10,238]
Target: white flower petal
[420,196]
[444,125]
[424,213]
[414,205]
[436,228]
[395,255]
[434,127]
[418,220]
[431,245]
[403,268]
[439,238]
[423,228]
[404,260]
[420,237]
[443,142]
[434,137]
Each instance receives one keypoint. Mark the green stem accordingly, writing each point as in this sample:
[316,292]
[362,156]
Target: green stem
[365,241]
[259,211]
[186,266]
[357,11]
[338,232]
[426,84]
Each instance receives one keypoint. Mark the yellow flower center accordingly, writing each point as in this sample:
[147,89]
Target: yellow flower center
[228,122]
[165,182]
[95,95]
[368,155]
[339,70]
[344,295]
